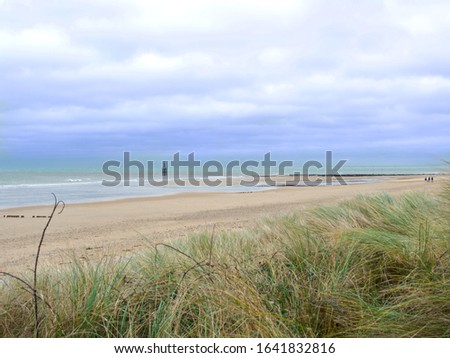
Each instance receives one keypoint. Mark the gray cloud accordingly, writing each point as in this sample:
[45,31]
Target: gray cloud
[224,77]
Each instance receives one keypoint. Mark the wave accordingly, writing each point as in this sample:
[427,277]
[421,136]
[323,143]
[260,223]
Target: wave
[45,185]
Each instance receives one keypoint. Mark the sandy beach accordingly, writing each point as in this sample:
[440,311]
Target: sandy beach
[92,231]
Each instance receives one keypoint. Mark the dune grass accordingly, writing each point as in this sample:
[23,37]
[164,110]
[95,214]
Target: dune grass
[369,267]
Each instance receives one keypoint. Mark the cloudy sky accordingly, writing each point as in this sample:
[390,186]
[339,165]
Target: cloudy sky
[369,80]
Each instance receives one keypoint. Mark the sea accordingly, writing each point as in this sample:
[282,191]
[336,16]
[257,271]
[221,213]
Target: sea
[31,187]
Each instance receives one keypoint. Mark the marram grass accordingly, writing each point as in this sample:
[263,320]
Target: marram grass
[373,266]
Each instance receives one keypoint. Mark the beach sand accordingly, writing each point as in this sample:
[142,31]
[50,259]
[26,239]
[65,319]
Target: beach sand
[92,231]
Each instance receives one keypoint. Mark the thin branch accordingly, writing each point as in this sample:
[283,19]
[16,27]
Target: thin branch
[25,283]
[35,295]
[18,279]
[32,289]
[175,293]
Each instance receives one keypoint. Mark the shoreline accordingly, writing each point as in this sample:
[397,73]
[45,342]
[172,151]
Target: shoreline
[236,187]
[118,228]
[80,191]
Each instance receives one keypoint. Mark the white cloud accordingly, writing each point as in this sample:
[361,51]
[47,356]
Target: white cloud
[41,46]
[419,18]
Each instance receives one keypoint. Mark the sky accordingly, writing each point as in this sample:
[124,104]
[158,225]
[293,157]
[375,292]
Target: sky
[369,80]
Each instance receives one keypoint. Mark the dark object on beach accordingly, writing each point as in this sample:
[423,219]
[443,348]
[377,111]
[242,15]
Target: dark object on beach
[426,178]
[431,178]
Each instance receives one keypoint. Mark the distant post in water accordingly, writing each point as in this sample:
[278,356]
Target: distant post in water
[164,169]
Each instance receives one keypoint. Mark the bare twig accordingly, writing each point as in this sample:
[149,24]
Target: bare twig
[28,288]
[36,306]
[175,293]
[32,289]
[17,278]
